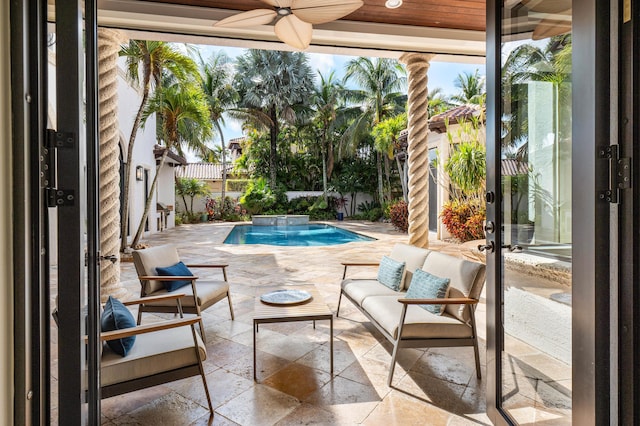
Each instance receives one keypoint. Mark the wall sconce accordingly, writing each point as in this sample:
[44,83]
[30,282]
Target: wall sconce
[139,173]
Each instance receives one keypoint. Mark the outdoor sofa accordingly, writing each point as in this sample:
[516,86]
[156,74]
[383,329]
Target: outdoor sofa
[406,322]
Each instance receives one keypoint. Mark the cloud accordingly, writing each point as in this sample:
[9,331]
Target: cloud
[321,62]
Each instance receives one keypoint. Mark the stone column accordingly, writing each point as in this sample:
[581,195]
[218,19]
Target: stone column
[418,150]
[108,48]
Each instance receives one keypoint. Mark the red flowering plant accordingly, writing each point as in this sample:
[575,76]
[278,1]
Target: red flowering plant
[229,210]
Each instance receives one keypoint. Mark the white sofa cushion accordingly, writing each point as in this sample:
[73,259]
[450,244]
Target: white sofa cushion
[359,289]
[414,257]
[153,353]
[419,323]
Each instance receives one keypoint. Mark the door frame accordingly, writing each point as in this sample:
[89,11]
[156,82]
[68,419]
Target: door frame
[591,272]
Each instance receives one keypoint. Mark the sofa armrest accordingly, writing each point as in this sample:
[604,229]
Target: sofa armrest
[447,301]
[347,264]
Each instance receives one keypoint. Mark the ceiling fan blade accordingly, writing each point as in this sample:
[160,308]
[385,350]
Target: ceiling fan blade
[248,19]
[322,11]
[278,3]
[547,6]
[294,32]
[550,27]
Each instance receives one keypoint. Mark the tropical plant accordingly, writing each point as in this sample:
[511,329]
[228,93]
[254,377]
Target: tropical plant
[386,136]
[191,187]
[464,219]
[530,63]
[272,86]
[381,94]
[146,61]
[399,215]
[466,163]
[328,103]
[437,102]
[220,97]
[184,118]
[258,197]
[472,90]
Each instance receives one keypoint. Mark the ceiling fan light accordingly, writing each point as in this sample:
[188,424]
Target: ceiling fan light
[283,11]
[393,4]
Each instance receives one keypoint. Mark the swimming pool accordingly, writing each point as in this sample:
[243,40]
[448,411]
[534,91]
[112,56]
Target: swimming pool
[299,235]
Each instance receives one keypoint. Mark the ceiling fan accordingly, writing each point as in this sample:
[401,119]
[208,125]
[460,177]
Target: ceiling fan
[294,18]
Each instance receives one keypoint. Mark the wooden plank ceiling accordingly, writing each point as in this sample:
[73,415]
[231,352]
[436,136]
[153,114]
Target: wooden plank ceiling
[449,14]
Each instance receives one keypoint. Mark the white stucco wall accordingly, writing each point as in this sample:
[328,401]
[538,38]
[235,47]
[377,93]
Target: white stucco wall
[128,103]
[6,256]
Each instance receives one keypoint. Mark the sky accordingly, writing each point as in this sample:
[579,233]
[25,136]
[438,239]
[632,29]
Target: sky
[440,74]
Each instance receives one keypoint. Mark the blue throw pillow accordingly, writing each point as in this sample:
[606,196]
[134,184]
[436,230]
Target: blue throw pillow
[427,286]
[390,272]
[177,270]
[116,316]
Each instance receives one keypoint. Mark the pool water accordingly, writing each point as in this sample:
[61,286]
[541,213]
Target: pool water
[299,235]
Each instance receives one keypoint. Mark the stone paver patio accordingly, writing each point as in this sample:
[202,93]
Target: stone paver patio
[435,386]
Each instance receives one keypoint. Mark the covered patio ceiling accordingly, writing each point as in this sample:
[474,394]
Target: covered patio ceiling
[452,29]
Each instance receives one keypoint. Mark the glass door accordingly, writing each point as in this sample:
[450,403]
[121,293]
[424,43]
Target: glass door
[530,214]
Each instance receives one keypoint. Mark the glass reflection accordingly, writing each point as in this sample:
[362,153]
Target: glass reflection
[536,189]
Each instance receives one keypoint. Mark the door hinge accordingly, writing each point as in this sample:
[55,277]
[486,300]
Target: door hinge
[619,173]
[48,159]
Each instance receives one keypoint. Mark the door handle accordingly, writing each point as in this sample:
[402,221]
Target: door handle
[490,247]
[111,258]
[513,248]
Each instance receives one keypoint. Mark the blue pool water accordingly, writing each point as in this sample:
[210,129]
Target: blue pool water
[300,235]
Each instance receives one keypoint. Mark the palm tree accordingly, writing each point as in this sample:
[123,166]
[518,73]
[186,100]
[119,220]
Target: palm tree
[184,117]
[271,85]
[526,63]
[145,62]
[471,87]
[380,95]
[437,102]
[327,105]
[386,135]
[220,97]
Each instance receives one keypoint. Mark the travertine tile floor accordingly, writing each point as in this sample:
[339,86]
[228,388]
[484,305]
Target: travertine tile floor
[436,386]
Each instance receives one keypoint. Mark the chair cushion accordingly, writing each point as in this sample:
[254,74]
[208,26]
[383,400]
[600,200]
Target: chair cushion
[427,286]
[390,272]
[177,270]
[146,261]
[418,324]
[466,279]
[153,353]
[116,316]
[209,292]
[412,256]
[360,289]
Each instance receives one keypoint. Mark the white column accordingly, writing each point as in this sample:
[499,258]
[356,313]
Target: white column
[418,149]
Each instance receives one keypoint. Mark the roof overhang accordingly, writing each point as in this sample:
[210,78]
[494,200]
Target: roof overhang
[191,24]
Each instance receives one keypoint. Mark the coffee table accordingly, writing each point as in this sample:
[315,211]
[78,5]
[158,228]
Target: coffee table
[313,310]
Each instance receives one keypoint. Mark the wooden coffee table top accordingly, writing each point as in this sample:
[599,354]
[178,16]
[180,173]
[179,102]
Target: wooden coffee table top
[315,307]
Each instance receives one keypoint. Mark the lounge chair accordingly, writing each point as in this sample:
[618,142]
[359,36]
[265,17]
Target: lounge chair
[199,294]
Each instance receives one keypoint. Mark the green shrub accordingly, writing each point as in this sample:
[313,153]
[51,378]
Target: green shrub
[399,215]
[258,197]
[464,219]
